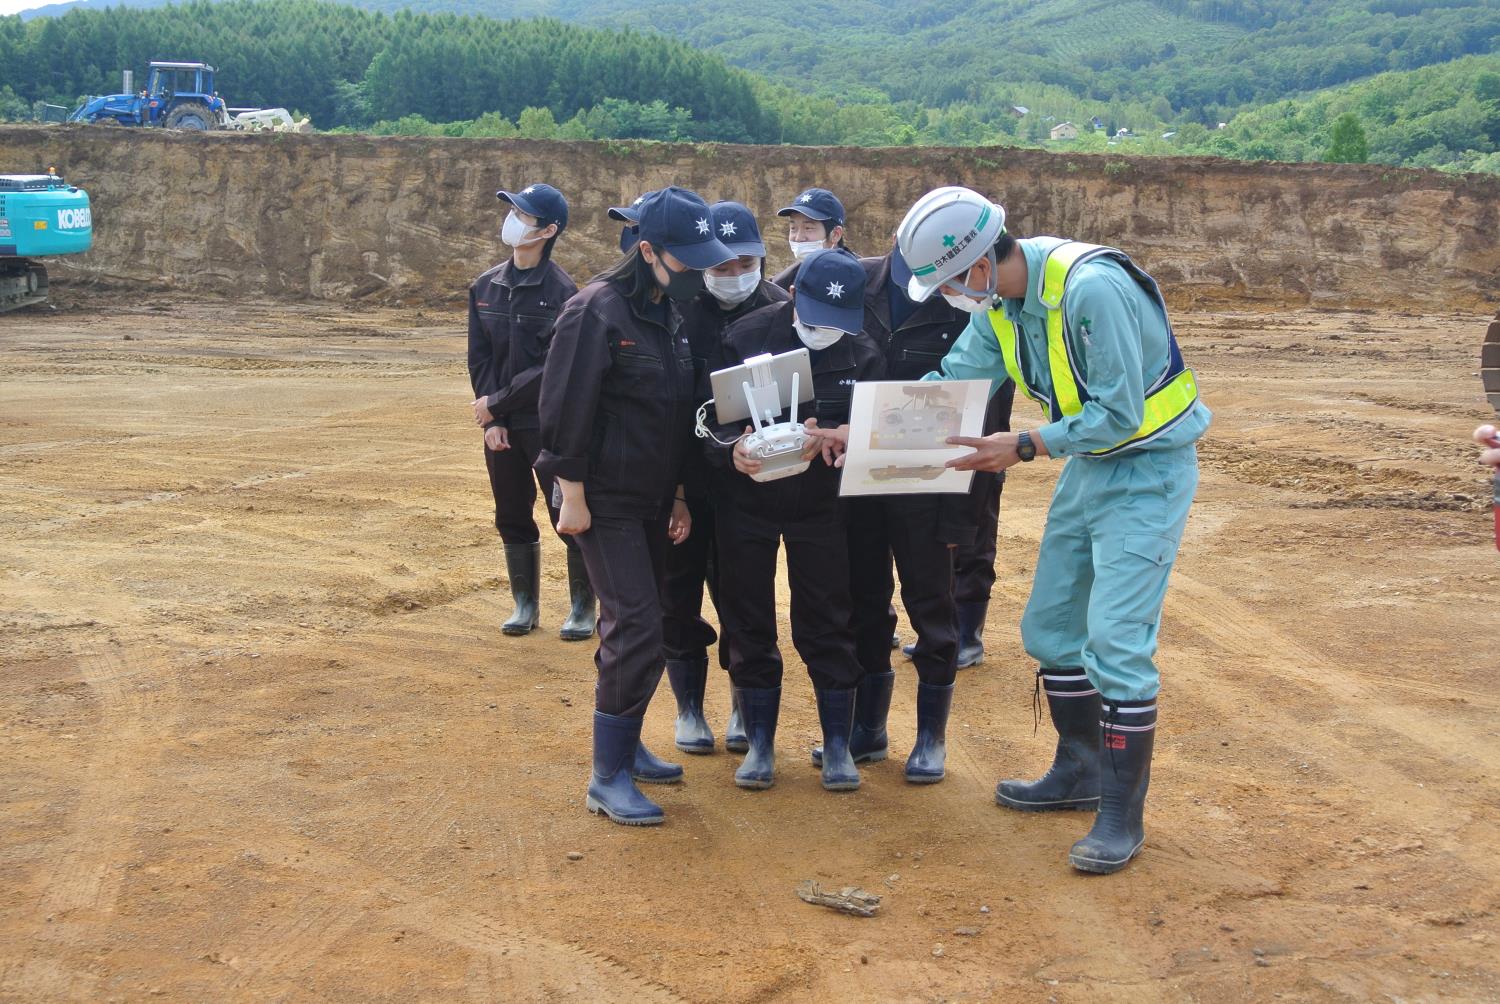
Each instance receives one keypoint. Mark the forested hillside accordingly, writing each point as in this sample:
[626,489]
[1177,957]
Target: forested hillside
[1404,77]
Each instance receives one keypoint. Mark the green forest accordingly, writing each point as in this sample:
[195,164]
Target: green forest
[1390,81]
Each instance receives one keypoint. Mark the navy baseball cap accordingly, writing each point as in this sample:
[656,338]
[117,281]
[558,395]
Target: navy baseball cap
[830,290]
[817,204]
[680,223]
[630,233]
[735,225]
[900,270]
[542,201]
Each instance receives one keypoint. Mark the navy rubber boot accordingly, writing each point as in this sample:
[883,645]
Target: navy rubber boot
[689,678]
[523,566]
[868,743]
[1072,782]
[735,740]
[930,754]
[611,791]
[761,708]
[649,768]
[971,618]
[581,617]
[836,714]
[1129,736]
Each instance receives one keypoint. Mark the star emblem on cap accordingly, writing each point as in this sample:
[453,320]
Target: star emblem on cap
[703,226]
[836,290]
[727,229]
[528,189]
[805,197]
[638,200]
[949,240]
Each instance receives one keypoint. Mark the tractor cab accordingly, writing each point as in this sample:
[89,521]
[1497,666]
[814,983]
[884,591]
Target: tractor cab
[169,80]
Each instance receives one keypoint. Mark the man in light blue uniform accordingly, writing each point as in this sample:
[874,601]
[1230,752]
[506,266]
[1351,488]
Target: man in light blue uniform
[1083,331]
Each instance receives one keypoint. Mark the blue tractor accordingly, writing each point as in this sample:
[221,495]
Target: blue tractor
[40,214]
[176,96]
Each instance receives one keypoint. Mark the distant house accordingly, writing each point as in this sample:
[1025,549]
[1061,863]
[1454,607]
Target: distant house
[1020,111]
[1168,135]
[1096,122]
[1123,133]
[1064,130]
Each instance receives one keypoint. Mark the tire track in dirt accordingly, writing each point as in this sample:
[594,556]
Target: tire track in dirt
[85,884]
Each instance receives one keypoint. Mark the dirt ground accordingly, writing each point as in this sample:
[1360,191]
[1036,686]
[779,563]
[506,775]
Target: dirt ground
[263,740]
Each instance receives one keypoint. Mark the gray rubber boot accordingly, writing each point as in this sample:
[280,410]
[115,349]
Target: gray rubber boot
[523,564]
[581,619]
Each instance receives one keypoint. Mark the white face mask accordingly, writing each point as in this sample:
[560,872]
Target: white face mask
[964,303]
[816,338]
[732,290]
[801,249]
[515,230]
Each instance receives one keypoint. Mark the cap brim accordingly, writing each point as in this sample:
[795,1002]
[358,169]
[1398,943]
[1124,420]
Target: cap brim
[753,248]
[625,214]
[807,211]
[916,292]
[522,203]
[705,254]
[850,320]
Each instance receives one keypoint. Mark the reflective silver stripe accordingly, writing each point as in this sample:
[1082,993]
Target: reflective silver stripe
[1060,679]
[1070,693]
[1131,711]
[1117,727]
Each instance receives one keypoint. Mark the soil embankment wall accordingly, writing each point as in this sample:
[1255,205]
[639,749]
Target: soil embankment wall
[415,219]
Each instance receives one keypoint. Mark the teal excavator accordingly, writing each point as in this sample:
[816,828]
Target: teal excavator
[41,216]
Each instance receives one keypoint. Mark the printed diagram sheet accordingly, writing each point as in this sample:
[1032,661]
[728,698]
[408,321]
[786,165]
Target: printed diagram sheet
[897,433]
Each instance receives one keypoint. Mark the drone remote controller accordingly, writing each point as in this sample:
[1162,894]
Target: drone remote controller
[777,445]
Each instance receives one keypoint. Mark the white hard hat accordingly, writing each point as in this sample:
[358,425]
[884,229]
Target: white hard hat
[944,234]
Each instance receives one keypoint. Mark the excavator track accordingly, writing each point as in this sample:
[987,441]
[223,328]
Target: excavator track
[22,283]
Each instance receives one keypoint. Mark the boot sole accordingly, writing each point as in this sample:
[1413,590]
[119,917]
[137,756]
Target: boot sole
[656,780]
[515,631]
[735,746]
[753,785]
[1072,805]
[840,785]
[1095,866]
[925,778]
[598,809]
[575,635]
[696,750]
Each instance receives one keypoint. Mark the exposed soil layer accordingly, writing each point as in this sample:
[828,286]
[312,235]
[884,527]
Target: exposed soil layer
[409,221]
[260,737]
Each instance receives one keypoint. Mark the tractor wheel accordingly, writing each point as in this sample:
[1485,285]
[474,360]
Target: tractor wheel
[193,115]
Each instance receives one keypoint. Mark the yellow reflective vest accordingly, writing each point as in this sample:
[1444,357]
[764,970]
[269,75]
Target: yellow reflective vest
[1169,398]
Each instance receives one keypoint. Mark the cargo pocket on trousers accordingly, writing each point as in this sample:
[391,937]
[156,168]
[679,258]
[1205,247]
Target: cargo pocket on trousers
[1157,548]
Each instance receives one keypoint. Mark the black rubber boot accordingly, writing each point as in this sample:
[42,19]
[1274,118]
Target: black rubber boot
[868,743]
[1072,782]
[689,677]
[523,565]
[1129,735]
[836,714]
[581,619]
[761,709]
[611,791]
[930,753]
[735,740]
[971,618]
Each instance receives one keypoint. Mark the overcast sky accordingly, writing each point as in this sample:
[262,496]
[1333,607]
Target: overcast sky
[16,6]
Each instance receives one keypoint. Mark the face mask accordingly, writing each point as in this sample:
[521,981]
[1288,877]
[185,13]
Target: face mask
[732,290]
[816,338]
[963,300]
[801,249]
[966,304]
[514,231]
[680,286]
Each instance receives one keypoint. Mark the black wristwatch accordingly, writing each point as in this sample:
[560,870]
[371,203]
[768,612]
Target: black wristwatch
[1025,448]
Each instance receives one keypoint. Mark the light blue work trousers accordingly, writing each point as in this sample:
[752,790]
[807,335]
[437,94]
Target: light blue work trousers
[1112,535]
